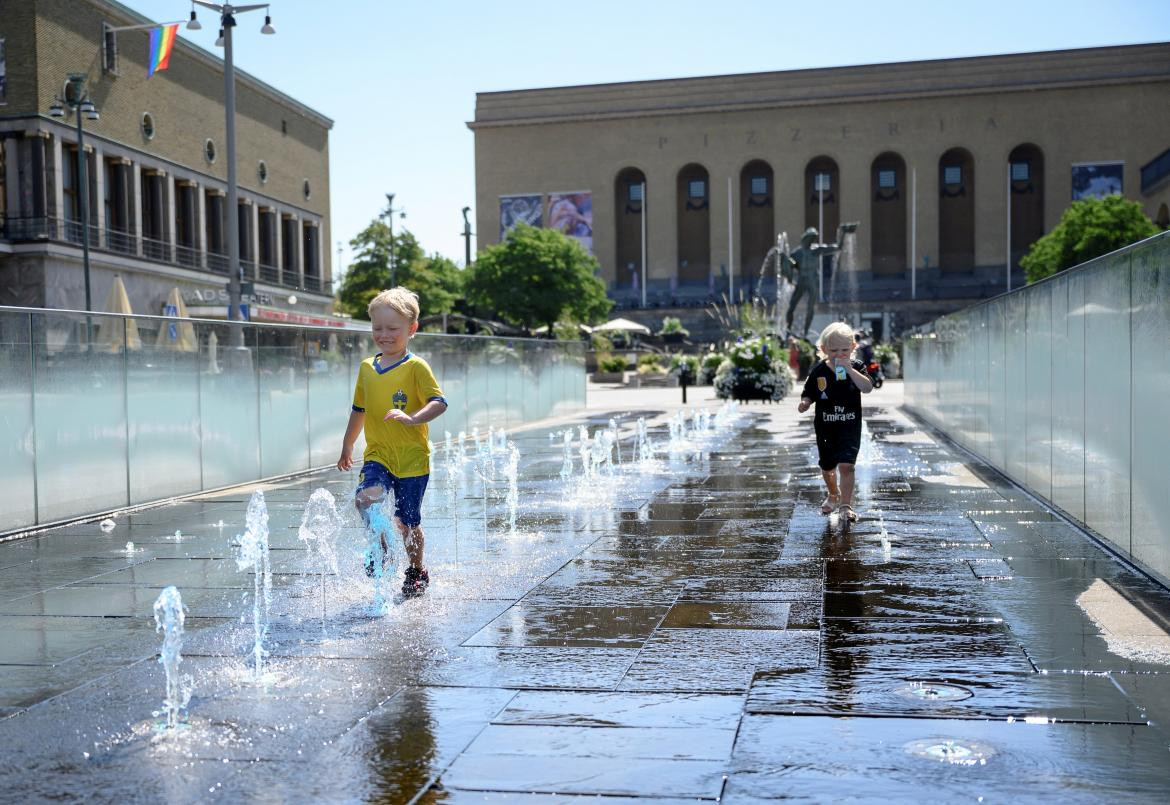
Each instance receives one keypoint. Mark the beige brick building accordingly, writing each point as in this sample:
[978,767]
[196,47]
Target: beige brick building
[924,155]
[157,177]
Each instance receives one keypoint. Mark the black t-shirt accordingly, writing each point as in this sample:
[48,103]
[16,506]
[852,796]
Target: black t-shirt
[838,402]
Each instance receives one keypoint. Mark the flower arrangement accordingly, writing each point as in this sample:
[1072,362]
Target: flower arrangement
[750,373]
[708,367]
[686,367]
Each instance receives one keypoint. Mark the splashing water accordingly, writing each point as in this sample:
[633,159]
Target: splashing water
[643,448]
[168,619]
[512,473]
[586,452]
[567,463]
[461,448]
[178,535]
[320,525]
[379,529]
[452,484]
[617,441]
[130,549]
[253,554]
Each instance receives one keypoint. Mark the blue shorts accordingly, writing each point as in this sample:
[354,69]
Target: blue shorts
[408,492]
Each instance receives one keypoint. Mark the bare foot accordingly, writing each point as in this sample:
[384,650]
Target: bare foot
[830,503]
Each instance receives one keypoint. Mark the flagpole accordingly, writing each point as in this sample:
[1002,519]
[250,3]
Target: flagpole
[1009,224]
[730,247]
[643,244]
[913,232]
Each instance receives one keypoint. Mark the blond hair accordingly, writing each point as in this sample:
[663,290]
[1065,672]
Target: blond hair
[836,333]
[401,300]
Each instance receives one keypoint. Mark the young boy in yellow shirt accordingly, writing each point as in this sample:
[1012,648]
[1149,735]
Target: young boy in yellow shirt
[395,396]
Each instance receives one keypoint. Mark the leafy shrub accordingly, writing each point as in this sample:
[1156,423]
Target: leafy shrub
[1089,228]
[672,325]
[649,363]
[612,363]
[708,367]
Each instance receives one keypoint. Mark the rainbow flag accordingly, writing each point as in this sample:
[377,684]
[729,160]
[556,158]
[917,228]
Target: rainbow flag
[162,41]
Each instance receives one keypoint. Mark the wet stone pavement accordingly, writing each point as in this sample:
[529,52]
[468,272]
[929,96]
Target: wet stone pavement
[688,628]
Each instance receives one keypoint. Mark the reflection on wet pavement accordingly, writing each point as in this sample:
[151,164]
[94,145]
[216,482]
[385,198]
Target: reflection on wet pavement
[689,629]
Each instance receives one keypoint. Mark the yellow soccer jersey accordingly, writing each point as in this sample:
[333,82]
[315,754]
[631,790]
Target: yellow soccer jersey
[407,385]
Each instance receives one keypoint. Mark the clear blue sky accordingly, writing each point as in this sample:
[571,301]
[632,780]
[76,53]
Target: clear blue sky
[399,79]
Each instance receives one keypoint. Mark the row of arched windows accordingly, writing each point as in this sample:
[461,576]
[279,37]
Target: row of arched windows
[889,208]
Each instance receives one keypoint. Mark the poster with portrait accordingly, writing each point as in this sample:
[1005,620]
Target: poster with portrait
[572,213]
[519,209]
[1096,179]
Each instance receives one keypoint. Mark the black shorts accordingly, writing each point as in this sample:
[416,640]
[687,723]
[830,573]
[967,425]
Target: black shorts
[837,448]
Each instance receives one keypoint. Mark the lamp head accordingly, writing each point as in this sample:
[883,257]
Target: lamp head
[219,42]
[267,27]
[193,24]
[56,108]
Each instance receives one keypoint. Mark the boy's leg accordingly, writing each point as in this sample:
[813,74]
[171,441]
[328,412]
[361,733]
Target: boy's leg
[413,540]
[834,498]
[847,478]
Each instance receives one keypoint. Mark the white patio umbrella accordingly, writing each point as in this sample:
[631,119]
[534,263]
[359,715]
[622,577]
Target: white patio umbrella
[623,325]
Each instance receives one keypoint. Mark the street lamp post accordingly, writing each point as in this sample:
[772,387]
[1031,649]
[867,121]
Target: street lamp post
[227,21]
[466,238]
[389,216]
[77,100]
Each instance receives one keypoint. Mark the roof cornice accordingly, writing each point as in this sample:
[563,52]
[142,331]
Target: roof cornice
[1023,72]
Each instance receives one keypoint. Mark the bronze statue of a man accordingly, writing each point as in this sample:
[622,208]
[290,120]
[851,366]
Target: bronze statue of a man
[803,269]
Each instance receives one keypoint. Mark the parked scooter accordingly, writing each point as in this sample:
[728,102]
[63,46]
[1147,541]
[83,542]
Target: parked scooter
[875,374]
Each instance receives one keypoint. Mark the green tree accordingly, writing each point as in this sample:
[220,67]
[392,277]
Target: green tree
[535,277]
[1089,228]
[436,280]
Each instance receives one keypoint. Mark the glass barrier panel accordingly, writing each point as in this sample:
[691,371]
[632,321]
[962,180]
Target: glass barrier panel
[80,411]
[229,402]
[1107,399]
[1038,390]
[1069,375]
[1151,375]
[162,404]
[18,492]
[284,400]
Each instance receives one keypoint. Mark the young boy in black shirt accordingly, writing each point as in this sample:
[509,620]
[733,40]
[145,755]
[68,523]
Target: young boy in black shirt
[836,385]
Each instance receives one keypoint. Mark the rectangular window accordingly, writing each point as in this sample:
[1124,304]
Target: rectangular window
[953,174]
[887,180]
[1021,171]
[697,188]
[109,50]
[759,185]
[823,182]
[635,192]
[71,209]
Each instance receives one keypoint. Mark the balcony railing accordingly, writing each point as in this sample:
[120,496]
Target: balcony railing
[114,241]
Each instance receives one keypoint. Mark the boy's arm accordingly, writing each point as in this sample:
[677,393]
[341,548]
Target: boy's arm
[862,380]
[423,415]
[805,402]
[356,420]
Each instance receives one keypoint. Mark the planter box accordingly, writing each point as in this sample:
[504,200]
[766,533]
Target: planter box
[608,377]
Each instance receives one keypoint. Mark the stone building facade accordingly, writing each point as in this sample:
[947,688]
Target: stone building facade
[157,174]
[948,166]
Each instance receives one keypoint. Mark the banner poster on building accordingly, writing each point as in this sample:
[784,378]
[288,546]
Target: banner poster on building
[520,209]
[3,74]
[1096,179]
[572,213]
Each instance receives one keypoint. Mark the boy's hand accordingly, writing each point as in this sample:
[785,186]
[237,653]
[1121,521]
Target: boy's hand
[398,416]
[804,404]
[345,462]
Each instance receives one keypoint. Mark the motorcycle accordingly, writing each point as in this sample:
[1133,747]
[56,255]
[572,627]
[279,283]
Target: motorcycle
[875,374]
